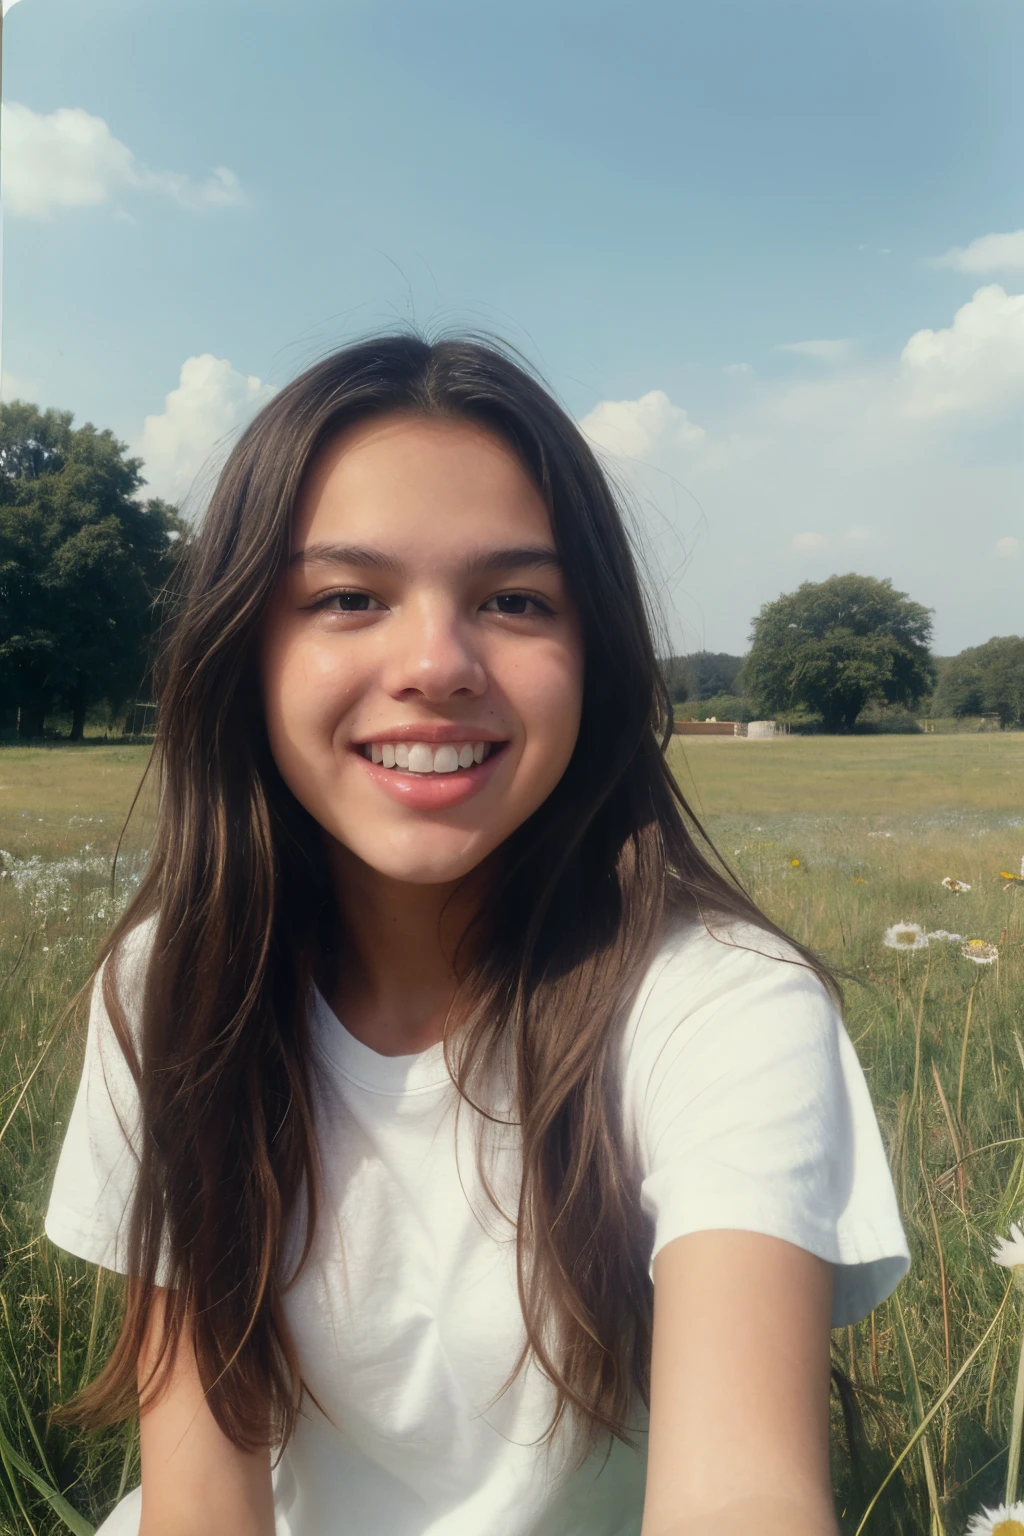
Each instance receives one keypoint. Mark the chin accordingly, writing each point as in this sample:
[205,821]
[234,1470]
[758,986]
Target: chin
[420,866]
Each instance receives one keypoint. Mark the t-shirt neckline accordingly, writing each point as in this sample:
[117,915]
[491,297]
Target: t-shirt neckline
[366,1067]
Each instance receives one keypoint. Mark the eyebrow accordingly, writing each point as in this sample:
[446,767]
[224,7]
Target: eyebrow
[526,556]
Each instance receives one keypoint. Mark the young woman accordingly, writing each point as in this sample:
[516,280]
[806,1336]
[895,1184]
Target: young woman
[481,1160]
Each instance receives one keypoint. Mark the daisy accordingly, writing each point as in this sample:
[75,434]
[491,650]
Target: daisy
[1009,1251]
[1005,1520]
[955,885]
[905,936]
[1004,874]
[980,952]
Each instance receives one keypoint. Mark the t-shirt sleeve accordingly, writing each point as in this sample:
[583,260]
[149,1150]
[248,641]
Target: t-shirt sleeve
[750,1110]
[90,1202]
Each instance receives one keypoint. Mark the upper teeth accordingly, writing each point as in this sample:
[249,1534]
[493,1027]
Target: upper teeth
[418,757]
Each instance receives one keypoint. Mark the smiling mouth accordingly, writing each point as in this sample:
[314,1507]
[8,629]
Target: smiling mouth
[420,757]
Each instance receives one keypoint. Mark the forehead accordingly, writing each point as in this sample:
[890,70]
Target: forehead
[408,476]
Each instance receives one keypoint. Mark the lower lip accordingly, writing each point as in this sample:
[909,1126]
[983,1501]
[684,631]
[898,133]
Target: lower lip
[433,791]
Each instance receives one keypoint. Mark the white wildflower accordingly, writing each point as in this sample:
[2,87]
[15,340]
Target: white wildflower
[952,884]
[1004,1520]
[980,952]
[55,887]
[1009,1251]
[950,938]
[905,936]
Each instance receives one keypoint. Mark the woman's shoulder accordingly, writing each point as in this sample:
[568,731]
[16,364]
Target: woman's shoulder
[727,968]
[133,951]
[127,963]
[719,951]
[748,1108]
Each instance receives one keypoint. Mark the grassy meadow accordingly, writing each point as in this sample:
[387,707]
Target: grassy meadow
[838,839]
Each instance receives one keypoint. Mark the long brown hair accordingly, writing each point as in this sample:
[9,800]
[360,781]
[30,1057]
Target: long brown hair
[240,906]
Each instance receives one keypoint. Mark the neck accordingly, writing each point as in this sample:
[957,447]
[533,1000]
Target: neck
[395,981]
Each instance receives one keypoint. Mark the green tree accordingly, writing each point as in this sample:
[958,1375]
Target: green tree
[831,646]
[984,680]
[677,678]
[701,675]
[82,561]
[714,673]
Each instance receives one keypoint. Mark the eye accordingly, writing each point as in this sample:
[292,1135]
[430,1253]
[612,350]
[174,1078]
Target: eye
[346,602]
[516,604]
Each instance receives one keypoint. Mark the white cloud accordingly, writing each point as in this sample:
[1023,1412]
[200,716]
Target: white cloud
[193,433]
[907,467]
[1008,548]
[740,369]
[836,350]
[989,253]
[630,428]
[809,543]
[70,159]
[974,365]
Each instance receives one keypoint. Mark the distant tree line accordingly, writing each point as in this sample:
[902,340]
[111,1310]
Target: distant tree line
[984,680]
[701,675]
[833,649]
[83,561]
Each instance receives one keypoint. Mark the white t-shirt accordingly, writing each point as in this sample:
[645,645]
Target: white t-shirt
[749,1109]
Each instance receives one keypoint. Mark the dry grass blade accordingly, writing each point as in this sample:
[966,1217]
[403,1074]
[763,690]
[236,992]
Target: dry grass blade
[926,1453]
[943,1289]
[919,1020]
[963,1052]
[954,1139]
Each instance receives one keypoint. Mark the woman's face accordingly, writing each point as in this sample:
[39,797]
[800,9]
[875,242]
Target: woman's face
[423,624]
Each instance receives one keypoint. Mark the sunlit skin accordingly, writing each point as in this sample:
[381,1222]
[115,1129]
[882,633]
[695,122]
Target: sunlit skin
[424,601]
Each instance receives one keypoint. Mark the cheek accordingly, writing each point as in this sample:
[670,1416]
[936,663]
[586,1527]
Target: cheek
[305,693]
[547,694]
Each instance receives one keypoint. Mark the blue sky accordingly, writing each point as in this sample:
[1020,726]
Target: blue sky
[726,234]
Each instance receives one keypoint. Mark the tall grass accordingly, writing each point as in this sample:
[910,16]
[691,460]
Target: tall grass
[57,1314]
[937,1036]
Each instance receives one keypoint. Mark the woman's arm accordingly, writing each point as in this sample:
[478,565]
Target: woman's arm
[194,1481]
[740,1389]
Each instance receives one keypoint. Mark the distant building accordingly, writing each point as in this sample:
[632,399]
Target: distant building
[757,730]
[708,728]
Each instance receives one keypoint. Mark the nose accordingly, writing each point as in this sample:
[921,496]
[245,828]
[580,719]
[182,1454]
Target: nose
[431,654]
